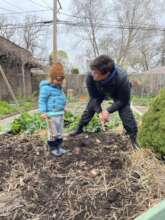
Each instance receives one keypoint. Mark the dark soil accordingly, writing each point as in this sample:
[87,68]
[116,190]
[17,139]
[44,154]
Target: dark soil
[93,182]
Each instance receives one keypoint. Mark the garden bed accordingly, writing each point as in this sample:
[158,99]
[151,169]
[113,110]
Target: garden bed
[101,178]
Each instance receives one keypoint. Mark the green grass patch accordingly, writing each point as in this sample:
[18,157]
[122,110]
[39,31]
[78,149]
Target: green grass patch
[142,100]
[8,108]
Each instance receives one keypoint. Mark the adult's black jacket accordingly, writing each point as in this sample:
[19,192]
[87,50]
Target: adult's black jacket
[115,86]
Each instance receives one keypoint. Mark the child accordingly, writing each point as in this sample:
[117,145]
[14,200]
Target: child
[52,101]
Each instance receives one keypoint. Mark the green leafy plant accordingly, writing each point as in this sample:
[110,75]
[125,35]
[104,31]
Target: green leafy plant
[152,131]
[69,119]
[94,125]
[27,123]
[114,121]
[31,123]
[71,122]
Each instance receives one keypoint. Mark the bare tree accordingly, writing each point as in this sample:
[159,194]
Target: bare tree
[31,34]
[89,14]
[6,31]
[139,13]
[132,44]
[144,53]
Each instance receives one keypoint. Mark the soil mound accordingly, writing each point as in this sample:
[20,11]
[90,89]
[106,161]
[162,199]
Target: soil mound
[96,180]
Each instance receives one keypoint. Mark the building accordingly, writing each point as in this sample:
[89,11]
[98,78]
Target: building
[17,64]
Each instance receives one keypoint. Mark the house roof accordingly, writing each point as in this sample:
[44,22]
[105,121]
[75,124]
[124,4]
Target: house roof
[13,52]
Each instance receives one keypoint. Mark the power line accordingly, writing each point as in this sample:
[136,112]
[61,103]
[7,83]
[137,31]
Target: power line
[21,26]
[51,7]
[86,17]
[48,6]
[45,3]
[7,9]
[38,4]
[11,4]
[81,17]
[25,12]
[111,26]
[82,24]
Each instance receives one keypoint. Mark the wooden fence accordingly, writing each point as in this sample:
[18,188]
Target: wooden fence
[142,84]
[147,84]
[76,83]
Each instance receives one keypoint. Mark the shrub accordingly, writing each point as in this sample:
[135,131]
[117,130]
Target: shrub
[75,71]
[152,131]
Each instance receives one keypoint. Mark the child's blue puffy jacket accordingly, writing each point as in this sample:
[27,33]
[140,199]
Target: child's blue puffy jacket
[52,99]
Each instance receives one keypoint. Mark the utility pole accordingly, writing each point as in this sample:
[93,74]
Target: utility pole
[163,49]
[54,30]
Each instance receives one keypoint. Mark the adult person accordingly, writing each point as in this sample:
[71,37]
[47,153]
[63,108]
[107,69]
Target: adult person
[108,80]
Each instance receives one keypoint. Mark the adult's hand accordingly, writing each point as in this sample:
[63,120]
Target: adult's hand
[104,116]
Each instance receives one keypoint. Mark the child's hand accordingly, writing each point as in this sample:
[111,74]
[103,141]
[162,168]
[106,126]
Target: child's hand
[44,116]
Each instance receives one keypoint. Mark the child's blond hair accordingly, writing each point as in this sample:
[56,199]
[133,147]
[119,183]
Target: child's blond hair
[55,70]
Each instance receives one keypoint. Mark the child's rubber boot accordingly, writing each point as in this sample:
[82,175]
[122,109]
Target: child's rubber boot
[51,145]
[57,152]
[61,149]
[54,148]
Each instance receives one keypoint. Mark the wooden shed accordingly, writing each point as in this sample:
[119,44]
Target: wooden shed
[16,63]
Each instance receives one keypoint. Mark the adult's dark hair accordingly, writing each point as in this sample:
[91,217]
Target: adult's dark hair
[103,63]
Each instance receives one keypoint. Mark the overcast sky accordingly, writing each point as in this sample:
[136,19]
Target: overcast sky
[66,41]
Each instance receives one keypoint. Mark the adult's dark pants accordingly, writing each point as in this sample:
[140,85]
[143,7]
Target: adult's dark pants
[125,113]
